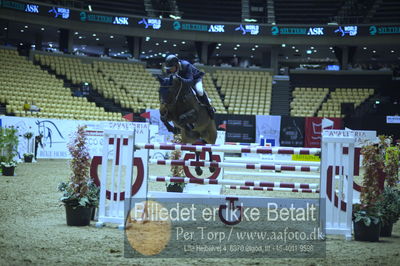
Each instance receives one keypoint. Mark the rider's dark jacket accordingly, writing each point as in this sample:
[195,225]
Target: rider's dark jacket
[189,73]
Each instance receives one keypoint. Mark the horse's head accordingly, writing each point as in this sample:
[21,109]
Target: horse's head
[168,87]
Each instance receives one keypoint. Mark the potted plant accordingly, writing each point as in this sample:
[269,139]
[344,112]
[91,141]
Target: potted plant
[8,150]
[367,216]
[389,201]
[80,194]
[28,156]
[176,170]
[389,205]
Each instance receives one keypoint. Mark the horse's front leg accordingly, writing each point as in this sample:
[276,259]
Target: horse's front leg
[198,168]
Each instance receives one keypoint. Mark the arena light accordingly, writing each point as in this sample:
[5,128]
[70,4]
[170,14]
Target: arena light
[147,38]
[183,42]
[94,35]
[392,51]
[309,52]
[174,17]
[250,20]
[5,28]
[365,48]
[174,45]
[165,41]
[283,45]
[21,30]
[90,8]
[76,33]
[111,37]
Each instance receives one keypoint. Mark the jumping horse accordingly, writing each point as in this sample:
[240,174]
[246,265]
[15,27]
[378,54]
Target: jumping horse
[179,104]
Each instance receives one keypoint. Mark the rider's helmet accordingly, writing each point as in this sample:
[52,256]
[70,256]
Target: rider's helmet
[171,61]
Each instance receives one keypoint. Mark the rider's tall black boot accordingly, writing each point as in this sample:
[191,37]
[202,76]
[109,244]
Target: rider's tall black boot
[204,100]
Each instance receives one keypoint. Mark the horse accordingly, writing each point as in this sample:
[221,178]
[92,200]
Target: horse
[179,104]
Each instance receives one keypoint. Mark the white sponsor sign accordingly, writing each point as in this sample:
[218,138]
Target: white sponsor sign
[57,134]
[393,119]
[363,137]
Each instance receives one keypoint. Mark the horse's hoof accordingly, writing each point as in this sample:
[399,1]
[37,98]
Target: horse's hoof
[212,169]
[198,171]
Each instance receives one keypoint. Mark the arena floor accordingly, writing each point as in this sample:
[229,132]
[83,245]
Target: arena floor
[33,230]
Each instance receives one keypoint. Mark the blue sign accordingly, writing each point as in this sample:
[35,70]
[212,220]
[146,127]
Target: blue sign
[332,67]
[151,22]
[375,30]
[347,30]
[32,8]
[59,11]
[252,29]
[313,31]
[216,28]
[121,21]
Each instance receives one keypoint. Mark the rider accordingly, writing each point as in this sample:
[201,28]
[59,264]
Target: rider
[189,74]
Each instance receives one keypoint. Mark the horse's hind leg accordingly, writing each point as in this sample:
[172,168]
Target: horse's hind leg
[212,169]
[211,138]
[198,168]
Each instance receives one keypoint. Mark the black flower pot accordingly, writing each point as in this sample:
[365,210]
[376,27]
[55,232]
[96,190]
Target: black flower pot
[176,187]
[78,215]
[366,233]
[28,159]
[8,171]
[386,230]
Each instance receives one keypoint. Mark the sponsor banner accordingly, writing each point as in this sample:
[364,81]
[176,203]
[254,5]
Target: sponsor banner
[314,127]
[292,131]
[393,119]
[239,128]
[305,157]
[57,134]
[162,130]
[268,129]
[362,137]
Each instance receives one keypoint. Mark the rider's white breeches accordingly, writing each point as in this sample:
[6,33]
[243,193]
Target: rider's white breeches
[200,90]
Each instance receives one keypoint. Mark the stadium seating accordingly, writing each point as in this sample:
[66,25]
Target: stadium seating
[332,107]
[216,101]
[388,11]
[23,82]
[306,12]
[245,92]
[307,101]
[211,10]
[127,84]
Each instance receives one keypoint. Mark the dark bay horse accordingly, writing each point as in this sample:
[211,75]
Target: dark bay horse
[179,104]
